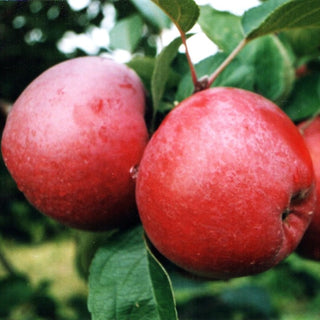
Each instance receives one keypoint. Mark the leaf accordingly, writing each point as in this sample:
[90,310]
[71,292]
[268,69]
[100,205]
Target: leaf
[15,290]
[152,13]
[249,297]
[161,72]
[126,34]
[236,74]
[273,67]
[223,28]
[126,282]
[304,101]
[277,15]
[304,41]
[183,13]
[144,67]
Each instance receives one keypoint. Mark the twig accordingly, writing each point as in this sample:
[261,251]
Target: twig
[226,62]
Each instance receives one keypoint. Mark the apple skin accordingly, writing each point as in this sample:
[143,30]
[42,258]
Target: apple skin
[309,246]
[71,139]
[225,187]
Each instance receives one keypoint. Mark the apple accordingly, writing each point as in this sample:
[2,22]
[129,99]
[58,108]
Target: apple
[309,246]
[225,187]
[71,139]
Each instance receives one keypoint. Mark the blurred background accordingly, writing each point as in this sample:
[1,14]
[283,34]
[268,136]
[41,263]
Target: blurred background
[43,265]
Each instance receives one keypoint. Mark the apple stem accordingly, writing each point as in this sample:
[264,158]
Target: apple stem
[191,66]
[226,62]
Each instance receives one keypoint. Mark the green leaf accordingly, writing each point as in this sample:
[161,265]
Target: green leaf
[304,101]
[223,28]
[183,13]
[152,13]
[126,282]
[15,290]
[236,74]
[161,72]
[126,34]
[144,67]
[277,15]
[304,41]
[249,297]
[273,67]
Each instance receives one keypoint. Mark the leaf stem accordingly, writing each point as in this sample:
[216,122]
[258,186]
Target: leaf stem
[226,62]
[191,66]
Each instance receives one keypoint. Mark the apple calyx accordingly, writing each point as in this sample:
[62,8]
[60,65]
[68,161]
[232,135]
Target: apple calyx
[297,198]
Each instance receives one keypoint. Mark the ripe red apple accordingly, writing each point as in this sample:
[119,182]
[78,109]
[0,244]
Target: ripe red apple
[225,186]
[309,247]
[71,139]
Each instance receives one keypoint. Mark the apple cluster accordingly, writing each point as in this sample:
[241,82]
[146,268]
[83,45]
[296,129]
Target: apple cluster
[225,187]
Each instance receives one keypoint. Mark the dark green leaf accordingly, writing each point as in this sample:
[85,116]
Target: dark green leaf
[14,290]
[274,71]
[235,75]
[304,41]
[223,28]
[305,99]
[183,13]
[276,15]
[252,298]
[152,13]
[126,282]
[161,72]
[126,34]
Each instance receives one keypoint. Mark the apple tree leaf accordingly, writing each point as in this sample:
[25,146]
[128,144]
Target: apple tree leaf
[126,34]
[304,102]
[162,71]
[126,281]
[274,72]
[305,42]
[152,13]
[223,28]
[183,13]
[277,15]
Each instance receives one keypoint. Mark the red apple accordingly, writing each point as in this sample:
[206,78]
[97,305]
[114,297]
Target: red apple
[309,247]
[71,139]
[225,186]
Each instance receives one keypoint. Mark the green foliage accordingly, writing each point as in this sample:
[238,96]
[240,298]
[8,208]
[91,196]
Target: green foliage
[304,101]
[273,69]
[278,15]
[126,34]
[183,13]
[144,291]
[223,28]
[152,13]
[17,295]
[161,73]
